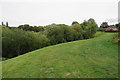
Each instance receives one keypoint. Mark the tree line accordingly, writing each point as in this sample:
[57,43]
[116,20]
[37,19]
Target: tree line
[105,25]
[26,38]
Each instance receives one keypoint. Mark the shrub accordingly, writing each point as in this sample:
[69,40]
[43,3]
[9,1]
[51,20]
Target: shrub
[62,33]
[89,28]
[78,31]
[55,33]
[26,27]
[25,38]
[100,29]
[16,41]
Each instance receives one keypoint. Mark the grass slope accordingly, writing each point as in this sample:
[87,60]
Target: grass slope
[91,58]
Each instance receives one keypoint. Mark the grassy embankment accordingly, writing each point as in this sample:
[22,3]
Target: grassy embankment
[92,58]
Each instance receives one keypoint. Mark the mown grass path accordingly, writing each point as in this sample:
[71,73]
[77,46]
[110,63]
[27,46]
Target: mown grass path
[92,58]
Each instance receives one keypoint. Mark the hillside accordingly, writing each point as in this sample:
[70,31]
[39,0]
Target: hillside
[91,58]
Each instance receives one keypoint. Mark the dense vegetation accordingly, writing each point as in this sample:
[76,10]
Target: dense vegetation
[27,27]
[16,42]
[25,38]
[104,25]
[92,58]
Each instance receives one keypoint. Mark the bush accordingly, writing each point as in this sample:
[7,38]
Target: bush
[16,41]
[25,38]
[89,28]
[62,33]
[100,29]
[55,33]
[59,33]
[26,27]
[78,33]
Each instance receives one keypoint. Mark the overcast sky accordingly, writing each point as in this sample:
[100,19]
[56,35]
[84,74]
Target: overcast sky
[44,12]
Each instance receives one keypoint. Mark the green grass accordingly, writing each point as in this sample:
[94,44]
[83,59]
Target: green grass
[91,58]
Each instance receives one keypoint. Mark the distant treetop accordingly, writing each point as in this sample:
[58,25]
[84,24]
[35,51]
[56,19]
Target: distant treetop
[74,22]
